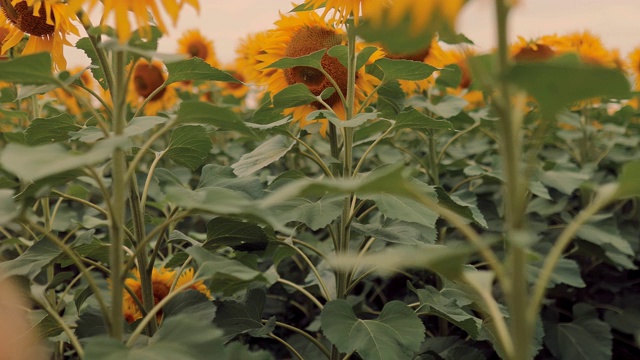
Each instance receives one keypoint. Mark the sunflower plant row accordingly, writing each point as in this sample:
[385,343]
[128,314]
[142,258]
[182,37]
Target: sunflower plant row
[361,183]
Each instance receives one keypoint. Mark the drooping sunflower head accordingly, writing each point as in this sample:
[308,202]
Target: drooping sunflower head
[46,22]
[193,44]
[147,78]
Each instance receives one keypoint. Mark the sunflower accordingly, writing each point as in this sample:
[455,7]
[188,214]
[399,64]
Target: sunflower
[301,34]
[634,64]
[531,50]
[194,44]
[247,58]
[47,22]
[342,9]
[145,79]
[237,90]
[69,99]
[161,282]
[422,55]
[590,49]
[421,13]
[140,10]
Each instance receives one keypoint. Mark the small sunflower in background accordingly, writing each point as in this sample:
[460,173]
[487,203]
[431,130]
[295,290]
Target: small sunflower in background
[532,50]
[237,90]
[193,44]
[161,280]
[421,55]
[69,99]
[139,10]
[590,49]
[147,77]
[46,22]
[302,34]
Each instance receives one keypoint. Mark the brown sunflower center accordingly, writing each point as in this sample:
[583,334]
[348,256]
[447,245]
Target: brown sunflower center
[21,15]
[146,79]
[416,56]
[540,53]
[198,49]
[305,41]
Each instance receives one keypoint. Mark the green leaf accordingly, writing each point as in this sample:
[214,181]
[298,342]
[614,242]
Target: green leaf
[447,107]
[341,52]
[141,124]
[557,84]
[293,95]
[312,60]
[8,209]
[433,302]
[564,180]
[189,146]
[628,184]
[391,99]
[197,112]
[414,119]
[605,233]
[196,69]
[265,154]
[32,261]
[85,45]
[356,121]
[566,271]
[585,338]
[222,176]
[243,317]
[404,69]
[315,213]
[28,69]
[189,301]
[399,232]
[396,334]
[236,234]
[54,129]
[32,163]
[179,337]
[402,208]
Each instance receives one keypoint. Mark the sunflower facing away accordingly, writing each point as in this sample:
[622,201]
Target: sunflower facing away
[301,34]
[161,281]
[145,79]
[139,10]
[47,22]
[193,44]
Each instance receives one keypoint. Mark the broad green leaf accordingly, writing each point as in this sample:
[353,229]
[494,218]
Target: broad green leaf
[605,233]
[32,163]
[341,52]
[293,95]
[30,263]
[239,235]
[49,130]
[566,271]
[189,146]
[399,232]
[435,303]
[391,99]
[448,106]
[85,45]
[628,184]
[402,208]
[449,348]
[89,135]
[8,209]
[404,69]
[556,84]
[463,207]
[189,302]
[195,69]
[28,69]
[312,60]
[45,324]
[197,112]
[222,176]
[179,337]
[414,119]
[356,121]
[315,213]
[565,181]
[396,334]
[140,125]
[243,317]
[585,338]
[265,154]
[216,200]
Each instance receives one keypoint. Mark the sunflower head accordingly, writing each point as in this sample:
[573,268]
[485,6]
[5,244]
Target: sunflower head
[193,44]
[535,50]
[147,78]
[28,19]
[307,40]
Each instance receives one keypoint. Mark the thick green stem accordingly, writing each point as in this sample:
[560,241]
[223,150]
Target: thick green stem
[119,199]
[514,199]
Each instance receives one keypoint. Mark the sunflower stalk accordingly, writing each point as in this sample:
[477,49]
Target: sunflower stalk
[517,291]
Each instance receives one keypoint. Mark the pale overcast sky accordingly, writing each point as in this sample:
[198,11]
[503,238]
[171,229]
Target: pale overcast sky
[615,21]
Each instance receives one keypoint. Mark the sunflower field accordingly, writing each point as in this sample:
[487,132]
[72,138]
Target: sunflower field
[361,183]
